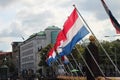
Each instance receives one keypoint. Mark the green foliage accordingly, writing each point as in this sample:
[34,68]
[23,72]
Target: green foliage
[112,48]
[43,55]
[78,49]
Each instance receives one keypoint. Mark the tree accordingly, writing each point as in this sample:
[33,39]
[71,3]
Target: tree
[43,55]
[76,53]
[112,48]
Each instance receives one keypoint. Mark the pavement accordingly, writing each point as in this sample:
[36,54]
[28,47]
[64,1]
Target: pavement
[84,78]
[73,78]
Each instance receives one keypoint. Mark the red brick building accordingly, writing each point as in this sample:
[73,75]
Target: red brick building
[5,55]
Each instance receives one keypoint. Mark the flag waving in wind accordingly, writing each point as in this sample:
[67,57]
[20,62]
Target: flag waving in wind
[65,59]
[51,56]
[59,41]
[74,30]
[112,18]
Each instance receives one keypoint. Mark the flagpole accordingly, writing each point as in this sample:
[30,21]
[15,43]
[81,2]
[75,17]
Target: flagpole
[98,41]
[54,65]
[73,68]
[70,64]
[77,64]
[94,59]
[61,64]
[85,62]
[69,69]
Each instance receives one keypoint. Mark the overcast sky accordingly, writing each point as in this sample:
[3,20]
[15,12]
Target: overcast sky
[25,17]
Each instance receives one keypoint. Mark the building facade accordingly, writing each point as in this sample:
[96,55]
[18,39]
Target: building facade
[16,54]
[5,56]
[29,58]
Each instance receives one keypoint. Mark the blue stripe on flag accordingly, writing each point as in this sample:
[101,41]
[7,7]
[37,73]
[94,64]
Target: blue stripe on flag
[68,48]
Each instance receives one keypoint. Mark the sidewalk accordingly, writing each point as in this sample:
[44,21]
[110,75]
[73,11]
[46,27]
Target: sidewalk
[84,78]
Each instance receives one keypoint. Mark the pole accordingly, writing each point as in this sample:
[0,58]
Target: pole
[115,61]
[98,41]
[77,64]
[61,64]
[69,70]
[85,62]
[73,68]
[95,60]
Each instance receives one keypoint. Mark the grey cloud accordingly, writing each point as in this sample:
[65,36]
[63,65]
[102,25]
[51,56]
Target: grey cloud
[64,4]
[13,31]
[37,20]
[95,7]
[5,3]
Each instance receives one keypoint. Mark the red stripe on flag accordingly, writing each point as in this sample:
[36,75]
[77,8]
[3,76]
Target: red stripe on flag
[60,37]
[70,21]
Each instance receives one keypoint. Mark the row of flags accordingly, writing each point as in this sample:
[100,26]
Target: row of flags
[73,31]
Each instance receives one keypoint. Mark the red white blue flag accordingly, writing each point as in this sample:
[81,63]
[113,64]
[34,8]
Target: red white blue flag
[65,59]
[51,56]
[112,18]
[74,30]
[59,41]
[57,47]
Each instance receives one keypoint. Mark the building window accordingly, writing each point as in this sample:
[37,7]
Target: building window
[53,36]
[28,52]
[27,46]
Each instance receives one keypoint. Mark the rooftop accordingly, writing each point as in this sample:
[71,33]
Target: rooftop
[52,28]
[42,33]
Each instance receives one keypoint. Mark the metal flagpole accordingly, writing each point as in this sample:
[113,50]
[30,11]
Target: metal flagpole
[94,60]
[85,62]
[98,42]
[64,67]
[73,68]
[70,65]
[77,64]
[69,69]
[61,64]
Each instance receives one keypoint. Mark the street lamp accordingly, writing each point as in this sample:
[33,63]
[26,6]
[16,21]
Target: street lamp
[112,36]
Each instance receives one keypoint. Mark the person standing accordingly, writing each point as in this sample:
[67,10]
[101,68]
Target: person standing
[92,49]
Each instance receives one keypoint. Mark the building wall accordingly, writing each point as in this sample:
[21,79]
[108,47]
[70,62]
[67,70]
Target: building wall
[26,55]
[50,34]
[53,36]
[16,54]
[29,49]
[28,52]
